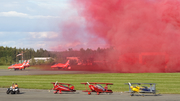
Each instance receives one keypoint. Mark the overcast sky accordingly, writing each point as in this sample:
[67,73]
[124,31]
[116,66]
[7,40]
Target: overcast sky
[39,24]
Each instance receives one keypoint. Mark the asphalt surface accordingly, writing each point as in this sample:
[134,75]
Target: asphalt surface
[5,72]
[48,95]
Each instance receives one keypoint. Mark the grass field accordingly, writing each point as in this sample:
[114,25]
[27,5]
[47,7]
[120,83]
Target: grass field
[166,82]
[3,67]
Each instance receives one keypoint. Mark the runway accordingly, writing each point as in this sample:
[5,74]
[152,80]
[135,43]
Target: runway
[5,72]
[46,95]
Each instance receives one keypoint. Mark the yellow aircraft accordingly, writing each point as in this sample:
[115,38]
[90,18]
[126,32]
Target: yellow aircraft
[141,89]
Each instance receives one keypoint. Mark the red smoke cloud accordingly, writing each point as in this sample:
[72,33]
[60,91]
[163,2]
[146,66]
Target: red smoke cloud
[145,33]
[73,35]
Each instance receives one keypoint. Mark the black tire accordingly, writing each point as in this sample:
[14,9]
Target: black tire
[132,95]
[8,91]
[154,92]
[12,92]
[18,92]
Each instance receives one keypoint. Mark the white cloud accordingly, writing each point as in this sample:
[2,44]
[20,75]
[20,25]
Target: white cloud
[39,35]
[13,14]
[24,15]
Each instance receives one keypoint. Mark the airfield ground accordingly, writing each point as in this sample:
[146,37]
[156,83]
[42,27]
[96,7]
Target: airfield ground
[47,95]
[5,72]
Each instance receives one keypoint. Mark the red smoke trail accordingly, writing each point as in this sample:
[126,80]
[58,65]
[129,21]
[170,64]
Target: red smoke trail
[145,33]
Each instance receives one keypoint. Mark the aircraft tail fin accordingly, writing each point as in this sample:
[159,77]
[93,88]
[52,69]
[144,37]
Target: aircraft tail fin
[27,62]
[67,62]
[72,88]
[24,62]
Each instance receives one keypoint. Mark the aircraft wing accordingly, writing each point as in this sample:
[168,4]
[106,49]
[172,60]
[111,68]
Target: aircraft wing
[130,91]
[98,83]
[140,83]
[139,92]
[149,83]
[61,83]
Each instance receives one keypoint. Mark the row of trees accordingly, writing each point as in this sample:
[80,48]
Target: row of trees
[86,56]
[8,55]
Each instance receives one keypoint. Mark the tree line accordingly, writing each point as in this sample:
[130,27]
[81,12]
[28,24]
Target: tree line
[8,55]
[85,56]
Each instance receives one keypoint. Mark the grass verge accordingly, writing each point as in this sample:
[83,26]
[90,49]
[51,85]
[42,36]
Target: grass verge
[4,67]
[166,82]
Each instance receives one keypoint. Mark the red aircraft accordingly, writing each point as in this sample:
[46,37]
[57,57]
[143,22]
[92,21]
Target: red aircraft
[58,87]
[18,66]
[63,66]
[96,87]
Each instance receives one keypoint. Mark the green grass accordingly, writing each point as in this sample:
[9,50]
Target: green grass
[166,82]
[4,67]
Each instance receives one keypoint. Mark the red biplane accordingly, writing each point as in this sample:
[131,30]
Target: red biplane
[58,87]
[96,87]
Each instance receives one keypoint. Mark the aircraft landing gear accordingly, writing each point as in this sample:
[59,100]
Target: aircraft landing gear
[55,92]
[60,92]
[132,94]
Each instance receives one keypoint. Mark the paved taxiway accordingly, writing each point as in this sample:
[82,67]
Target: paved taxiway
[45,95]
[5,72]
